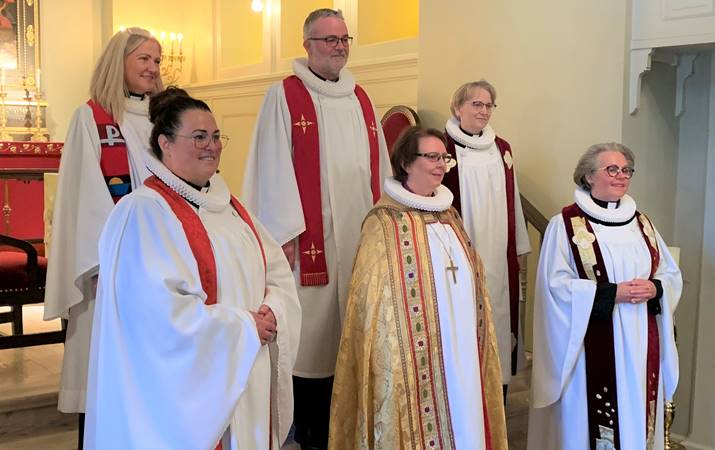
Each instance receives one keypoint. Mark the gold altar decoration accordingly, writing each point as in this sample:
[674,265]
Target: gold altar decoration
[22,110]
[669,417]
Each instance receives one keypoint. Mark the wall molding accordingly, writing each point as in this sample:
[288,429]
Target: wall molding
[380,70]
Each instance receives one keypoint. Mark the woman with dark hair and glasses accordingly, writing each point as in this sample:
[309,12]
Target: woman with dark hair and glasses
[487,197]
[604,356]
[197,319]
[418,321]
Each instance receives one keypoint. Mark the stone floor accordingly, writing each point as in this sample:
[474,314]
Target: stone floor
[28,395]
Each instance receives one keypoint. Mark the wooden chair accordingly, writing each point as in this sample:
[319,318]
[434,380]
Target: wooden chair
[22,282]
[396,120]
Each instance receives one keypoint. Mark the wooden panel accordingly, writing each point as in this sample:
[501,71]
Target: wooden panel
[380,21]
[241,33]
[677,9]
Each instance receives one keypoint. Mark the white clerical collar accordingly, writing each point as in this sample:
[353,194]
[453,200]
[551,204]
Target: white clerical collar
[137,106]
[341,88]
[475,142]
[441,201]
[624,213]
[214,198]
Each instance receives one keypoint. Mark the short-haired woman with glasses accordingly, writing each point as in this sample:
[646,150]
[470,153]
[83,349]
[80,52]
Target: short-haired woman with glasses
[487,196]
[418,321]
[604,356]
[197,319]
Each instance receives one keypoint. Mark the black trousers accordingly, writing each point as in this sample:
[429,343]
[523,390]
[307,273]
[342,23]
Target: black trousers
[80,432]
[311,412]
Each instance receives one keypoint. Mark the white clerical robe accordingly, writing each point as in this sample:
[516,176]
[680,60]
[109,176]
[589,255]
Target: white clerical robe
[482,189]
[457,320]
[270,191]
[82,205]
[168,371]
[558,418]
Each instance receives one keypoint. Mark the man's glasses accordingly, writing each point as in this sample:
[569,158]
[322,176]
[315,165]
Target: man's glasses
[203,140]
[613,170]
[332,41]
[435,157]
[479,105]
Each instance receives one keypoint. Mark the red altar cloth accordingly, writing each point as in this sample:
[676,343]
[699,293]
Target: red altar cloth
[22,166]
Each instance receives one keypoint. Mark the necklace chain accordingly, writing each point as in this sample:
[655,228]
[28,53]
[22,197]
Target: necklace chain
[448,249]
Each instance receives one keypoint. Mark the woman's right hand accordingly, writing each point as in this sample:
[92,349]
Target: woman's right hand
[266,329]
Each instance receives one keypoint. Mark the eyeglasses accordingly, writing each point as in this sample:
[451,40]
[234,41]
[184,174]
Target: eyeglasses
[613,170]
[203,140]
[479,105]
[332,41]
[435,157]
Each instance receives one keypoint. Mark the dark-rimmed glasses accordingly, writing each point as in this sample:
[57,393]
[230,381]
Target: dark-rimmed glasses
[435,157]
[203,140]
[479,105]
[332,41]
[613,171]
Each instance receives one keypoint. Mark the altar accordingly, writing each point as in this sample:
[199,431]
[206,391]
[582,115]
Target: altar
[23,168]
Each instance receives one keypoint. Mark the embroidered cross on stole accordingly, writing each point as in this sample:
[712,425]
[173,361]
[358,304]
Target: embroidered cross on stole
[306,160]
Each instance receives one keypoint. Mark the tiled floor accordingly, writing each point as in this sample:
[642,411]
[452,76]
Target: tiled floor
[34,373]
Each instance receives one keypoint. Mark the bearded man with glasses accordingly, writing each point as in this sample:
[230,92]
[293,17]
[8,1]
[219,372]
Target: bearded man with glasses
[315,168]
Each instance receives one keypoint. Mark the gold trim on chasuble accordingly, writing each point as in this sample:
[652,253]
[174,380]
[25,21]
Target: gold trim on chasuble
[417,322]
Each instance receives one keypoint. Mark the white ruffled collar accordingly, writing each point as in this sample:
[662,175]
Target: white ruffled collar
[341,88]
[624,213]
[215,199]
[441,201]
[475,142]
[137,106]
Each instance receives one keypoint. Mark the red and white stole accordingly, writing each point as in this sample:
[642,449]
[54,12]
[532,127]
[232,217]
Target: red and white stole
[451,181]
[113,161]
[601,392]
[306,161]
[198,239]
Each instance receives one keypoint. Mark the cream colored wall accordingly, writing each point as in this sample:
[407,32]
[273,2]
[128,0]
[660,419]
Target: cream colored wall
[70,44]
[557,67]
[560,69]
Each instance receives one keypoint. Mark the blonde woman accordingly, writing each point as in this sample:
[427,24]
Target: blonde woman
[102,160]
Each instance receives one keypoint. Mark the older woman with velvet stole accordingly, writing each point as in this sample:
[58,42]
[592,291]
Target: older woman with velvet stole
[418,366]
[604,356]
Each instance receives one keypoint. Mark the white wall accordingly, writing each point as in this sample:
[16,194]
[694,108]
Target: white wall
[689,221]
[702,429]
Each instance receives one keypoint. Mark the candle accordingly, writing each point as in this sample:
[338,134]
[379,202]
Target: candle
[180,37]
[172,37]
[37,79]
[2,78]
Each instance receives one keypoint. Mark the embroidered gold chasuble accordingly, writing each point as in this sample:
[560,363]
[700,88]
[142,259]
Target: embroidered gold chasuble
[390,390]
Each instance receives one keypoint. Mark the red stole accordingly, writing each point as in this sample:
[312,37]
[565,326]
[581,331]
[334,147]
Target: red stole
[451,180]
[601,391]
[198,238]
[113,161]
[306,161]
